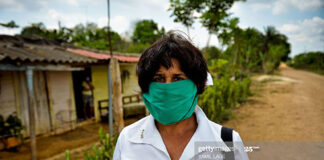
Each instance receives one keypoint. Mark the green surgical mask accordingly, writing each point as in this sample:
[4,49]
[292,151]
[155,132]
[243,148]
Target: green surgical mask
[170,103]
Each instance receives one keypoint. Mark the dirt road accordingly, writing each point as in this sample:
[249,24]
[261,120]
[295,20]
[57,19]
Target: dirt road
[288,108]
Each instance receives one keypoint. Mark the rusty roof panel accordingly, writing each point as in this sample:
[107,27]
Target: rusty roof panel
[17,50]
[101,56]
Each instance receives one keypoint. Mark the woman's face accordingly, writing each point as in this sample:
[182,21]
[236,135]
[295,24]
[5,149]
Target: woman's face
[174,73]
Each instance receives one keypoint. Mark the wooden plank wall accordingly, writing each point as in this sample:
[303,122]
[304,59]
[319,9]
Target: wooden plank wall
[7,94]
[41,107]
[42,114]
[61,98]
[53,103]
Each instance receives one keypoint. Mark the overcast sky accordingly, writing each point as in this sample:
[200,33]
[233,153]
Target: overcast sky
[301,20]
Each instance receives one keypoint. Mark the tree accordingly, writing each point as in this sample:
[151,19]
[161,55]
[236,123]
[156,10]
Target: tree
[88,35]
[35,29]
[313,61]
[39,30]
[251,50]
[10,24]
[271,39]
[137,48]
[182,13]
[91,36]
[212,53]
[274,37]
[214,13]
[146,31]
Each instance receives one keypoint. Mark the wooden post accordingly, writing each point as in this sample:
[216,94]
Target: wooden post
[31,112]
[117,95]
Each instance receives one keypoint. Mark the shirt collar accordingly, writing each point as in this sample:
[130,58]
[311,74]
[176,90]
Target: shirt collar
[205,132]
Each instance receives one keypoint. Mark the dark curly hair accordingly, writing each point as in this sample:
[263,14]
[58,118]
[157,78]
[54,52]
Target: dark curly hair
[172,45]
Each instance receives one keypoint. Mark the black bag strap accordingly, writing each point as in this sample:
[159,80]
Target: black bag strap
[227,137]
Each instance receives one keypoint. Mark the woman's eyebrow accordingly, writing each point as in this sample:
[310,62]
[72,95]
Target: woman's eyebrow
[157,74]
[179,74]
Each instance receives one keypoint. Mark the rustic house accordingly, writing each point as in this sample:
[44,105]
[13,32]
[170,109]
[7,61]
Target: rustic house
[58,71]
[52,80]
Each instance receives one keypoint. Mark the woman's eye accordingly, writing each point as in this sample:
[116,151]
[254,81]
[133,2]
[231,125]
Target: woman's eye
[177,78]
[158,79]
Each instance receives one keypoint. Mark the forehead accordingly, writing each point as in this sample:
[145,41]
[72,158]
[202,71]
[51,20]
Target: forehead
[174,68]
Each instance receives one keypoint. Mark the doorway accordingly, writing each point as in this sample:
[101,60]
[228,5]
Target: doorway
[78,78]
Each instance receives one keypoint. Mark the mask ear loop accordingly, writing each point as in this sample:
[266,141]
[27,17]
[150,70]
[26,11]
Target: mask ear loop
[196,96]
[209,81]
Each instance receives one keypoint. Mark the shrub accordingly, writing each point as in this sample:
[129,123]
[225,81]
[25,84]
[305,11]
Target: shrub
[218,100]
[104,151]
[311,61]
[11,127]
[231,86]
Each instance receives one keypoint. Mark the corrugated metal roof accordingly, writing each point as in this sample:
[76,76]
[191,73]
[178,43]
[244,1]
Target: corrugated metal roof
[101,56]
[14,48]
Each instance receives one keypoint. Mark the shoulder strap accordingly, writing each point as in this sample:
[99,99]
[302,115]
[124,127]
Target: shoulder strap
[227,137]
[227,134]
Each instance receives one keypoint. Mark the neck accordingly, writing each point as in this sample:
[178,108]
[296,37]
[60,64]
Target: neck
[189,124]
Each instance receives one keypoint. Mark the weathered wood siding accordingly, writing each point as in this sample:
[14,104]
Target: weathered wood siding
[7,94]
[61,98]
[42,115]
[13,99]
[41,103]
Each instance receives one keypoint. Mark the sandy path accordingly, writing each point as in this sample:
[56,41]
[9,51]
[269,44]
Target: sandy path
[284,111]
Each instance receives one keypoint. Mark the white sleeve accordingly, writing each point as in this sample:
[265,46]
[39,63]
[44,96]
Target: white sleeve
[239,151]
[117,151]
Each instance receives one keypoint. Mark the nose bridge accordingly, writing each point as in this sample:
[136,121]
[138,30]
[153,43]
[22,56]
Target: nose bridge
[168,76]
[168,79]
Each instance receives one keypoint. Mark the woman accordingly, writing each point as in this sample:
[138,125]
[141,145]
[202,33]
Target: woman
[171,74]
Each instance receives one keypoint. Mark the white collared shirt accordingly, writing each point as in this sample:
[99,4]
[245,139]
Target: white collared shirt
[142,141]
